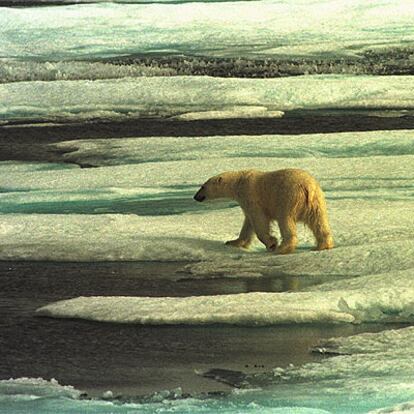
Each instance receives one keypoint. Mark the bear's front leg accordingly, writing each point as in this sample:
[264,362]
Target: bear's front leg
[287,227]
[262,227]
[246,236]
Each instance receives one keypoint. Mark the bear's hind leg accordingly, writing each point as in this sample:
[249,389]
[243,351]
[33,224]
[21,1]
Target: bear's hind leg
[246,236]
[262,228]
[324,240]
[322,232]
[287,227]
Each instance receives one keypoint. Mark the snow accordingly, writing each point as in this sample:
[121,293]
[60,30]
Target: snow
[370,343]
[65,2]
[195,95]
[133,208]
[137,205]
[244,112]
[259,28]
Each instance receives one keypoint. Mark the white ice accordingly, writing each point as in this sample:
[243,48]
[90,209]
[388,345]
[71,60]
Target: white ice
[158,219]
[33,388]
[224,98]
[255,28]
[375,189]
[99,152]
[71,2]
[368,299]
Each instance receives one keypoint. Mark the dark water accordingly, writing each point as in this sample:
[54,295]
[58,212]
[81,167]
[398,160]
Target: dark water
[29,142]
[134,359]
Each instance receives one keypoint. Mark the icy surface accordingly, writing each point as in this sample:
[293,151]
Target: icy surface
[370,343]
[99,152]
[140,207]
[256,28]
[143,209]
[370,299]
[31,3]
[34,388]
[407,407]
[193,95]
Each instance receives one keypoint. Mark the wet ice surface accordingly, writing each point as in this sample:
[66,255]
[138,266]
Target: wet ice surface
[385,356]
[325,304]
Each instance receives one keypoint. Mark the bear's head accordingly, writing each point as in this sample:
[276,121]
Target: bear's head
[215,187]
[210,190]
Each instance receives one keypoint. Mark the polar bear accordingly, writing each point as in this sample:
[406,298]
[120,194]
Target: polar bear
[287,196]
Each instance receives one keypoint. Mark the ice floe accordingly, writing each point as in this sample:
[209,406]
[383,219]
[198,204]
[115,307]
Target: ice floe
[100,152]
[195,95]
[141,208]
[379,298]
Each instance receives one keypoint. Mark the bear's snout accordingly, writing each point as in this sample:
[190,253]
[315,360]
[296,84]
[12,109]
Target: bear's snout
[199,196]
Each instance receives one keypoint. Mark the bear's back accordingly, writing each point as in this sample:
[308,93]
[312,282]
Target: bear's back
[289,176]
[282,191]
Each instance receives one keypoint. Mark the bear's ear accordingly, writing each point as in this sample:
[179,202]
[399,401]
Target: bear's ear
[219,180]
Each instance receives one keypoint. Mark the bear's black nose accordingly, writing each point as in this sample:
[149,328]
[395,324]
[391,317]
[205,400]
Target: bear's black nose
[199,197]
